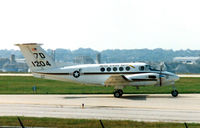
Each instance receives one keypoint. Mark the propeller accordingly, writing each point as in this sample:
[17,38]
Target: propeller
[160,75]
[162,65]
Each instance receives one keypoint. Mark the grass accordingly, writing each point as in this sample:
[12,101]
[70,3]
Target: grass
[23,85]
[85,123]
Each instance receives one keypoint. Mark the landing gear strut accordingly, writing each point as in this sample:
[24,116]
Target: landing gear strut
[118,93]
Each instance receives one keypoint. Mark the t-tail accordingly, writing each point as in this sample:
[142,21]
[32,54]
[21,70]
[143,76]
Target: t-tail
[36,58]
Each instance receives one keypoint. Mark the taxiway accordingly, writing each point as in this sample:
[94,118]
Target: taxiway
[150,107]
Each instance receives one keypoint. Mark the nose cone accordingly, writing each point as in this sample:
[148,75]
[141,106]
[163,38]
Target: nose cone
[172,76]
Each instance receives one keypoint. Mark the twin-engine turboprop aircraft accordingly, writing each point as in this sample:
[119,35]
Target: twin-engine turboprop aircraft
[118,75]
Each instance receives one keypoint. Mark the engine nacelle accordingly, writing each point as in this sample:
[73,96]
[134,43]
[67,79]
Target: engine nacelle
[143,79]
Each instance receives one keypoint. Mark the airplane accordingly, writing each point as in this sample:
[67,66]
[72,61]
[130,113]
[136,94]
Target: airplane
[118,75]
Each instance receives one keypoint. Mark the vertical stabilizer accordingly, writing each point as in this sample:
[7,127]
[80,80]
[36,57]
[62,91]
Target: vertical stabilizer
[36,58]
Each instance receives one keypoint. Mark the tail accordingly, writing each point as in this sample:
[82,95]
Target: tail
[36,58]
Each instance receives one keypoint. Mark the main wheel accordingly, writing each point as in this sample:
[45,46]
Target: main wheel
[118,93]
[174,93]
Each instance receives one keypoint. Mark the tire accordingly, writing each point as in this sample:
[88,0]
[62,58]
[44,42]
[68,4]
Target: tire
[174,93]
[117,94]
[120,92]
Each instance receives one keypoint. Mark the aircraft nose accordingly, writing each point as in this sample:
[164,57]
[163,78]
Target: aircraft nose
[173,77]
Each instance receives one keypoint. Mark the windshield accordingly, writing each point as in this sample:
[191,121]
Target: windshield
[152,68]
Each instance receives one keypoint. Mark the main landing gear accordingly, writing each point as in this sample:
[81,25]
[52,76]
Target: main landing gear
[118,93]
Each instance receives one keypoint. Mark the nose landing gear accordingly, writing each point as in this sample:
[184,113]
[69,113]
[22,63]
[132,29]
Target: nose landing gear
[174,93]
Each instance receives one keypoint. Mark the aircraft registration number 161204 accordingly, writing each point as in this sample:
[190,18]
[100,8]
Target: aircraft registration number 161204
[40,63]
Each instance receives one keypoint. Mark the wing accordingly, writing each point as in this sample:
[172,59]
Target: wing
[135,79]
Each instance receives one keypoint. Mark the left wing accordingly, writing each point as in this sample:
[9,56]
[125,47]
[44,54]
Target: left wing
[134,79]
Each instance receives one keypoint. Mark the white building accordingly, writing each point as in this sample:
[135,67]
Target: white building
[186,60]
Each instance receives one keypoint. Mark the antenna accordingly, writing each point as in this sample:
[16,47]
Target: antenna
[20,122]
[186,126]
[101,124]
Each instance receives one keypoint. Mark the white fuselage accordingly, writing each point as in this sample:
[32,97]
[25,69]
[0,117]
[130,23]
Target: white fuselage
[136,73]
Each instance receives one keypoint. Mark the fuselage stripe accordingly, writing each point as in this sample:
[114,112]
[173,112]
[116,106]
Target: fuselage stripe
[93,73]
[100,73]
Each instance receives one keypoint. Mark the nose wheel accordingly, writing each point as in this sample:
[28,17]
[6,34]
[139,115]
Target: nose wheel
[118,93]
[174,93]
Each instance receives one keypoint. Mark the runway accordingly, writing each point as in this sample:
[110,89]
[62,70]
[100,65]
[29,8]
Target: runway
[152,107]
[15,74]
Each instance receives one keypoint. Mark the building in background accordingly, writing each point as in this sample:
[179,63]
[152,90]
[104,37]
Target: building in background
[3,61]
[186,60]
[13,65]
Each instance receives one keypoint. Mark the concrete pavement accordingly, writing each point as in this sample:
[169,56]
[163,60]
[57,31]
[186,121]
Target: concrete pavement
[152,107]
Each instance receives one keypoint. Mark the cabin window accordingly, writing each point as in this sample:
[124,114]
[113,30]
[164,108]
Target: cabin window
[108,69]
[102,69]
[141,68]
[128,68]
[121,68]
[115,69]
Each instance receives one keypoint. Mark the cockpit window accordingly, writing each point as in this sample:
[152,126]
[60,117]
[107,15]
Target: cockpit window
[151,68]
[141,68]
[148,67]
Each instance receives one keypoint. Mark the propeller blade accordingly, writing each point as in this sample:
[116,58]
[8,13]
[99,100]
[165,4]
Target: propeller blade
[20,122]
[160,75]
[160,81]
